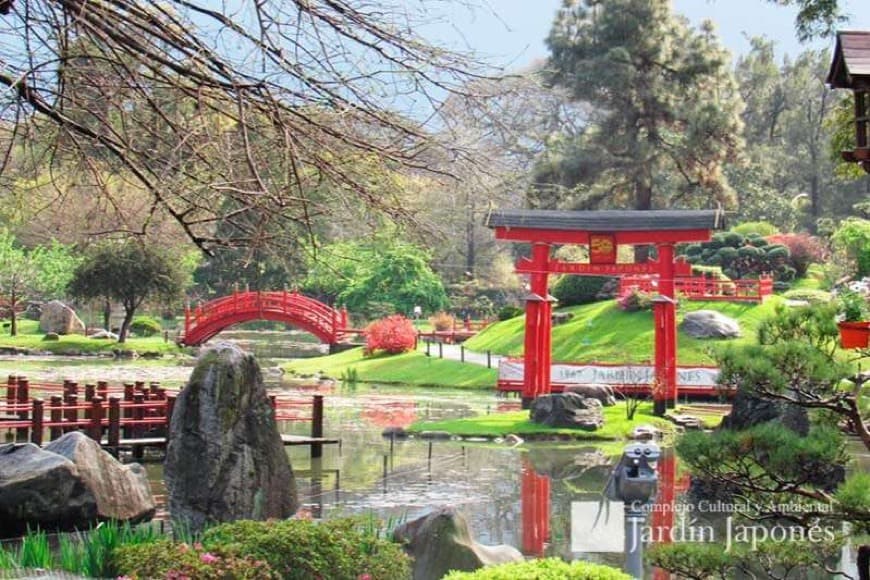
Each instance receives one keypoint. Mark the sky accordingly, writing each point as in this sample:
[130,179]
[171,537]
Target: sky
[511,33]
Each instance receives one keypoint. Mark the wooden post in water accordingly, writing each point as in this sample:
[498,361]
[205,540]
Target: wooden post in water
[129,391]
[137,430]
[71,414]
[95,430]
[22,395]
[37,422]
[90,392]
[317,426]
[11,390]
[103,390]
[114,424]
[55,406]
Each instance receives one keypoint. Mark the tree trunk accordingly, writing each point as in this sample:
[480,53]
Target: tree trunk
[643,202]
[107,315]
[13,302]
[125,326]
[470,241]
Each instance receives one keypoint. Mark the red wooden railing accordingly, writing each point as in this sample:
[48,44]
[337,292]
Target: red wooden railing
[208,319]
[127,412]
[701,288]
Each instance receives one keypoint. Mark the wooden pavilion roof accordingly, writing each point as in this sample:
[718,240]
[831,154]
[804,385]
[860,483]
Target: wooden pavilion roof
[850,67]
[606,220]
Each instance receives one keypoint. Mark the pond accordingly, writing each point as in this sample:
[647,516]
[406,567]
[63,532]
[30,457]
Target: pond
[543,498]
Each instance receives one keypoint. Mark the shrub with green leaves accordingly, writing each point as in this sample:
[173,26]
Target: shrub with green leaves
[810,295]
[759,228]
[853,238]
[508,312]
[146,326]
[572,290]
[339,549]
[546,569]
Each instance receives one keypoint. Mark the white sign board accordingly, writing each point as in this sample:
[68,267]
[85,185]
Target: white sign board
[598,374]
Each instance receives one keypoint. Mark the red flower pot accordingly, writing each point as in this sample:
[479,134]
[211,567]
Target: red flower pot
[854,334]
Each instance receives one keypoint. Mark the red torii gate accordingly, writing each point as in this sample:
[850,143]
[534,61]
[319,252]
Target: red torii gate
[602,232]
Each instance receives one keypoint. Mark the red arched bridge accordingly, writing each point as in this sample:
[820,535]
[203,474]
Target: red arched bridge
[206,320]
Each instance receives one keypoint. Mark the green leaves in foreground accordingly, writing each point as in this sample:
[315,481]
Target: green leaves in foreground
[546,569]
[773,559]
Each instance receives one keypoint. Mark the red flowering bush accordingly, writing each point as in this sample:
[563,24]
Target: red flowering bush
[804,250]
[393,334]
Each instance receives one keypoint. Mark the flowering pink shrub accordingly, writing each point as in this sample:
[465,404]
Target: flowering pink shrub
[171,561]
[804,250]
[393,334]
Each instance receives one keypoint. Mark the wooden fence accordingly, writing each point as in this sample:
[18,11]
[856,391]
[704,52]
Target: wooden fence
[115,416]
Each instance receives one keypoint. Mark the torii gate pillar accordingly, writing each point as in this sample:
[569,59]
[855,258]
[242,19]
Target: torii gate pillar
[665,313]
[538,330]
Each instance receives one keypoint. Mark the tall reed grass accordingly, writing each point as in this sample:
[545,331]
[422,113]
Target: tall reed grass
[87,553]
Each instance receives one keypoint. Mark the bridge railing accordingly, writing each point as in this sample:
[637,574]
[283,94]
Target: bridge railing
[292,304]
[702,288]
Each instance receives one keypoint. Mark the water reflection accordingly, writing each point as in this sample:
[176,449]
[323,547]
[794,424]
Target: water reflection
[518,496]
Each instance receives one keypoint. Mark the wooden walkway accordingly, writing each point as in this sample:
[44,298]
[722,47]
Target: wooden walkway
[287,440]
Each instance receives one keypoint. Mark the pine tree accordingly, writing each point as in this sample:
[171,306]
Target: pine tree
[665,109]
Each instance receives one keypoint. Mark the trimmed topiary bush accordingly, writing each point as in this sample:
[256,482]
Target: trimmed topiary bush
[546,569]
[393,334]
[572,290]
[145,326]
[301,549]
[742,256]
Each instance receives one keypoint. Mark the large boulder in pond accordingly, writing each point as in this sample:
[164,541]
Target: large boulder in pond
[441,541]
[225,460]
[122,492]
[567,410]
[602,392]
[41,489]
[59,318]
[709,324]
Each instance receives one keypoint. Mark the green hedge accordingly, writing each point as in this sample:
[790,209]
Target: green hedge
[547,569]
[572,290]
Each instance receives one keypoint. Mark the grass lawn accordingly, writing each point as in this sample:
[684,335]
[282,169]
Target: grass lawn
[616,426]
[412,368]
[31,338]
[601,332]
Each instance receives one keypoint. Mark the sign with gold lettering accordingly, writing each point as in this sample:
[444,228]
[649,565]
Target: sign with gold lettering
[602,249]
